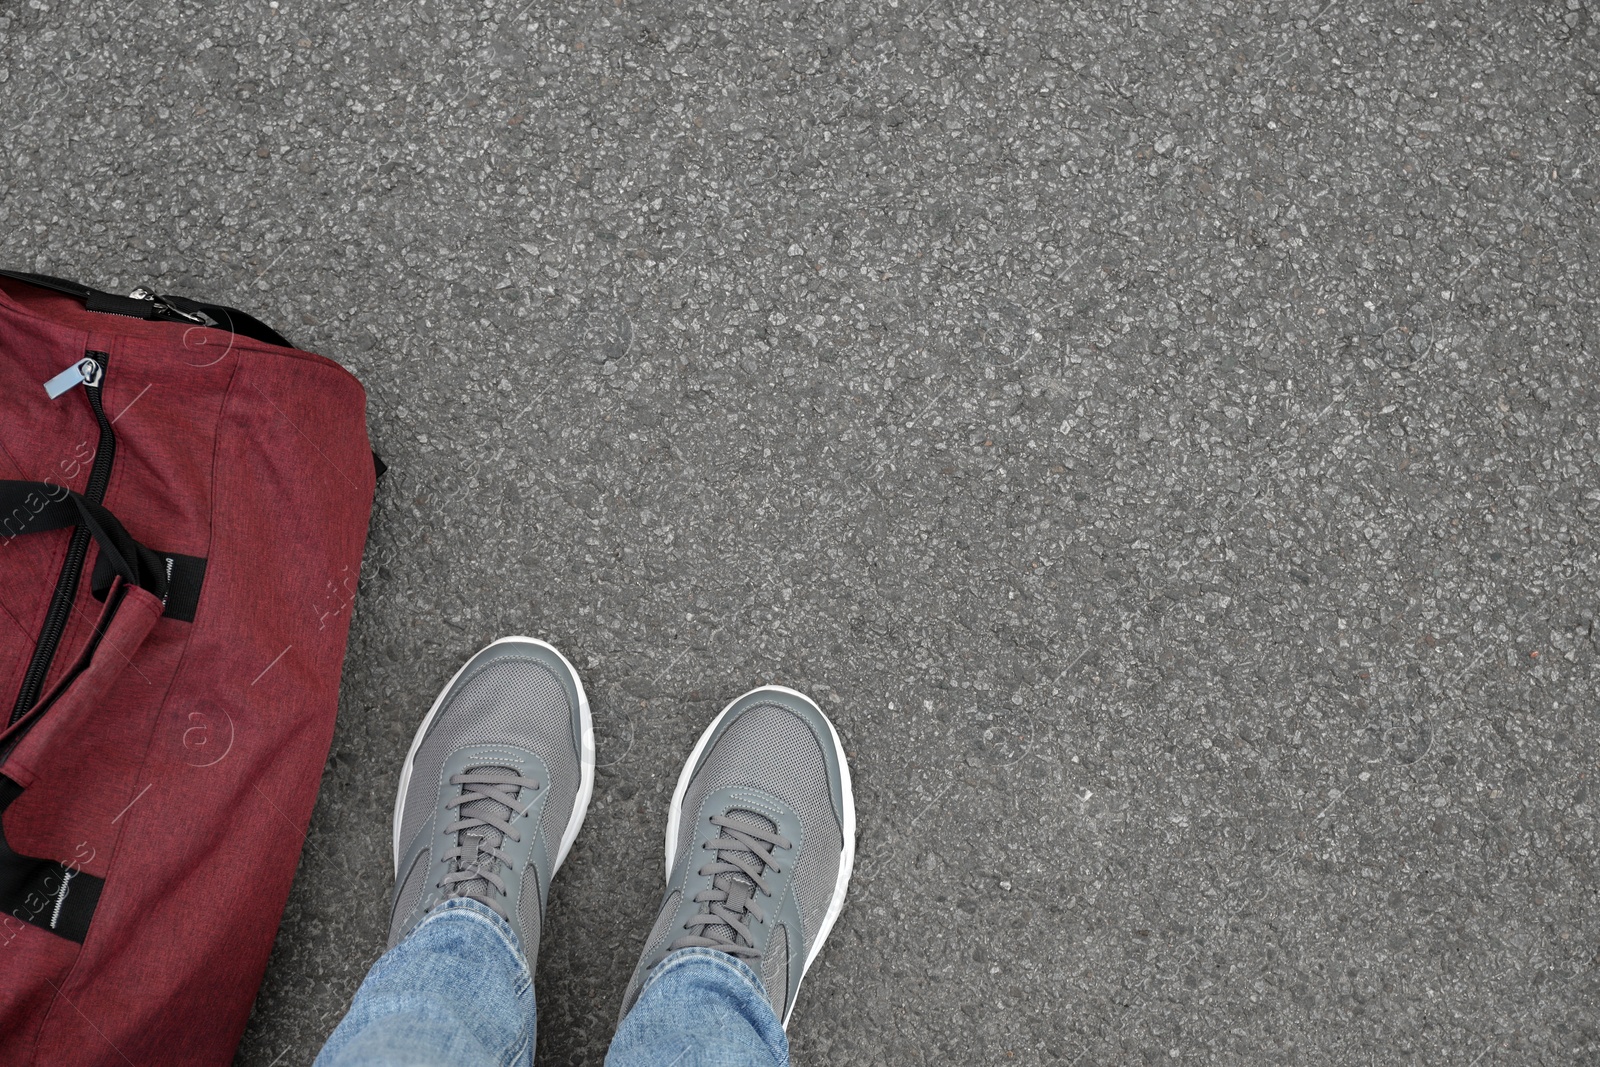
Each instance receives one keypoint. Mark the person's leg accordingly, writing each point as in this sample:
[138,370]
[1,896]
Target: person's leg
[760,845]
[456,991]
[492,794]
[700,1008]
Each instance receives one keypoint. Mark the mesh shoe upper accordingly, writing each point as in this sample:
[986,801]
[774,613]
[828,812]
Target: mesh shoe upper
[770,747]
[763,843]
[494,788]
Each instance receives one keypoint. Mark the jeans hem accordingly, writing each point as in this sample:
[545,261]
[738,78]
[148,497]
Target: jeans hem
[684,956]
[472,909]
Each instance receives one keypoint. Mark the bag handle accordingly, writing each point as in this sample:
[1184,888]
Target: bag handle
[151,307]
[37,507]
[56,895]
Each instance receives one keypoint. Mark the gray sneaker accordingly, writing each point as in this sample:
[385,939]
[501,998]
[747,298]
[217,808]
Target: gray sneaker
[494,789]
[761,839]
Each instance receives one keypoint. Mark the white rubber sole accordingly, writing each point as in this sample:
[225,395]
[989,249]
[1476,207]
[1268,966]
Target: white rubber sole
[580,807]
[847,863]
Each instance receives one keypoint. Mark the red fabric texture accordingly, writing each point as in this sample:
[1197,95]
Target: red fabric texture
[179,760]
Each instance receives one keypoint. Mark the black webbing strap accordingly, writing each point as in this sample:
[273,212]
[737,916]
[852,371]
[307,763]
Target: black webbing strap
[185,577]
[51,894]
[35,507]
[158,308]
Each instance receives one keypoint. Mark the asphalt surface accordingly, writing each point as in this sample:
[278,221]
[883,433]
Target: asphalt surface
[1163,436]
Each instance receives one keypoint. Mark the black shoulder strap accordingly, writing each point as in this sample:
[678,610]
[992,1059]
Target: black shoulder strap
[158,308]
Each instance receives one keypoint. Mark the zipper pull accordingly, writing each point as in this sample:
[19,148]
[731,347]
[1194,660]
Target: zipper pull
[88,372]
[160,307]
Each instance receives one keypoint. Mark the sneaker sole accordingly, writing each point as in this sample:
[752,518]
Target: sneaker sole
[580,806]
[848,830]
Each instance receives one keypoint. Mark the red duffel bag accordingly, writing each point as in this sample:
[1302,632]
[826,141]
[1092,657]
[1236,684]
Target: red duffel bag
[184,499]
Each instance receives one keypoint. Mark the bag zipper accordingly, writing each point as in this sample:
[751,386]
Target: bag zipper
[91,370]
[161,307]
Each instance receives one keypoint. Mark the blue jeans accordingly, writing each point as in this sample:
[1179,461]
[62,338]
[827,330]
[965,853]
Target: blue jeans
[456,992]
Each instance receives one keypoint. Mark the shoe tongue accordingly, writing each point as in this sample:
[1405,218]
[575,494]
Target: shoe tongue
[486,837]
[740,889]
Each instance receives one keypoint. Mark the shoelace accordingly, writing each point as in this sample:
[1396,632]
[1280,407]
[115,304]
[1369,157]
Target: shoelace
[732,904]
[476,858]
